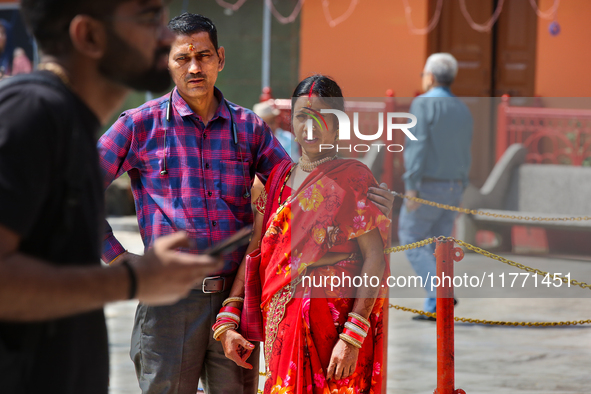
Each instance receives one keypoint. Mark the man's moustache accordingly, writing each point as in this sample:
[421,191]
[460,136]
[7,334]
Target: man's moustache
[194,76]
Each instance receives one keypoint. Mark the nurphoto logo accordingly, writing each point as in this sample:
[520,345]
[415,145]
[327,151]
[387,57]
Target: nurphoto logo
[344,128]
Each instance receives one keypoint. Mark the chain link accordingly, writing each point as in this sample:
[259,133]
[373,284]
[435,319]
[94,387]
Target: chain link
[495,215]
[495,322]
[409,246]
[523,267]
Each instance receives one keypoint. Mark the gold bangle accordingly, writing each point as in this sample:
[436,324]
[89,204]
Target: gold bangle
[363,319]
[232,299]
[115,259]
[222,329]
[350,340]
[229,315]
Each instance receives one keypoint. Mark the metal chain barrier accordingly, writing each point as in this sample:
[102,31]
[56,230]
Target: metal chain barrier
[493,256]
[495,322]
[409,246]
[491,214]
[502,260]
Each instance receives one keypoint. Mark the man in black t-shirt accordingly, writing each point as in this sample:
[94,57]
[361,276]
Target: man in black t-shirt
[52,288]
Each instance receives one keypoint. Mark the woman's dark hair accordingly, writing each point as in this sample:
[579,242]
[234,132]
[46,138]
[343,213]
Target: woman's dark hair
[187,24]
[323,87]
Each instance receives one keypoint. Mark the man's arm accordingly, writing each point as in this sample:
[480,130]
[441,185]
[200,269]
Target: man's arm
[32,289]
[415,151]
[116,157]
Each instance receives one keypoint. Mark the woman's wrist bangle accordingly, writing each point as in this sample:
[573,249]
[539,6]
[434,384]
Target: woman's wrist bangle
[353,335]
[361,318]
[132,279]
[221,330]
[232,299]
[358,323]
[228,315]
[231,309]
[350,340]
[356,329]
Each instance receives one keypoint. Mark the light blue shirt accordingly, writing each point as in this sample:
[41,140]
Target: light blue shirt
[444,137]
[287,141]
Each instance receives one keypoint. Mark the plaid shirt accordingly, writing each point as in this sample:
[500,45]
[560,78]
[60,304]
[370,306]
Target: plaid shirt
[203,192]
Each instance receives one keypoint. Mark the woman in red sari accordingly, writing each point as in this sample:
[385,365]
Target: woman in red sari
[318,338]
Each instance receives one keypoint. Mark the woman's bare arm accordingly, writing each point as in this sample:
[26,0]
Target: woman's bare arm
[236,348]
[344,356]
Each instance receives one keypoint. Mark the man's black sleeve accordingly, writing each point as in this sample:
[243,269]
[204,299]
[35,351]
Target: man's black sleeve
[27,147]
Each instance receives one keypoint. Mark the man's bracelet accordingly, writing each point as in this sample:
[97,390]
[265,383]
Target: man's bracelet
[132,279]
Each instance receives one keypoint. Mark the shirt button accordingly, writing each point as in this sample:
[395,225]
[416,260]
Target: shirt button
[214,223]
[204,135]
[206,165]
[209,194]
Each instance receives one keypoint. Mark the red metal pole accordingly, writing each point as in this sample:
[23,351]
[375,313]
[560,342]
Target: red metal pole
[445,255]
[388,163]
[502,132]
[266,94]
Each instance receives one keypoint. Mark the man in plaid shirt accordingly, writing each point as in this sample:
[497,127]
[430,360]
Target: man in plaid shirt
[187,173]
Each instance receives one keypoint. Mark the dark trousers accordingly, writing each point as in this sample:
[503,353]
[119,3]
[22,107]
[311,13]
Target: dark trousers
[173,347]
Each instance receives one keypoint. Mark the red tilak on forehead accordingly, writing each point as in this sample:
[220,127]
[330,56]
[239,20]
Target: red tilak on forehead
[311,90]
[191,47]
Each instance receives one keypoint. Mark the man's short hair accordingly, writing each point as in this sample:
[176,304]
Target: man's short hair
[49,20]
[443,66]
[188,24]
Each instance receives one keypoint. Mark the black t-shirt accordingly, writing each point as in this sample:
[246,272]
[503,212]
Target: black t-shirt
[68,355]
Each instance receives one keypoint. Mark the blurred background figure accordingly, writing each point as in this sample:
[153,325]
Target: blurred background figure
[20,62]
[270,115]
[437,166]
[5,48]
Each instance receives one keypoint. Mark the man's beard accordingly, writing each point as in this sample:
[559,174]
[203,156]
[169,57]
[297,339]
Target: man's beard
[121,61]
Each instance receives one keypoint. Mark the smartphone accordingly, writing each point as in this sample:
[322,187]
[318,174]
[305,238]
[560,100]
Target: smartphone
[238,239]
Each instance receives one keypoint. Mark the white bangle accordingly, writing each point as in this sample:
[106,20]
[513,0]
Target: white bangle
[229,315]
[356,329]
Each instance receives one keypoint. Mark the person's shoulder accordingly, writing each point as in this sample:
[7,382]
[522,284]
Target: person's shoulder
[25,89]
[33,111]
[148,110]
[243,114]
[25,102]
[355,166]
[359,177]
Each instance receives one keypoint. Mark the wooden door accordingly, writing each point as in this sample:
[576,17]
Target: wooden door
[515,50]
[473,50]
[490,64]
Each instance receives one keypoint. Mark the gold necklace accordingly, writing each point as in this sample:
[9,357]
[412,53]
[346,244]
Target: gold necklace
[311,165]
[56,69]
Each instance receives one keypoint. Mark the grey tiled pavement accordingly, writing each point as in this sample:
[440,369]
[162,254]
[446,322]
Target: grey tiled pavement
[488,359]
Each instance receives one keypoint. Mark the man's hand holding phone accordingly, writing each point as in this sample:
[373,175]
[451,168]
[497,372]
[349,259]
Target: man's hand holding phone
[165,275]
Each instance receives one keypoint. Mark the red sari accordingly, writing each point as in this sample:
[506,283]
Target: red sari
[302,322]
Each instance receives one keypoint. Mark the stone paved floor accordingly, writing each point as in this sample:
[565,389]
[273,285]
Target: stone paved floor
[488,359]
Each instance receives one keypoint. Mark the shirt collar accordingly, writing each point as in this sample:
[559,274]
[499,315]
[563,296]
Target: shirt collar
[445,89]
[183,109]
